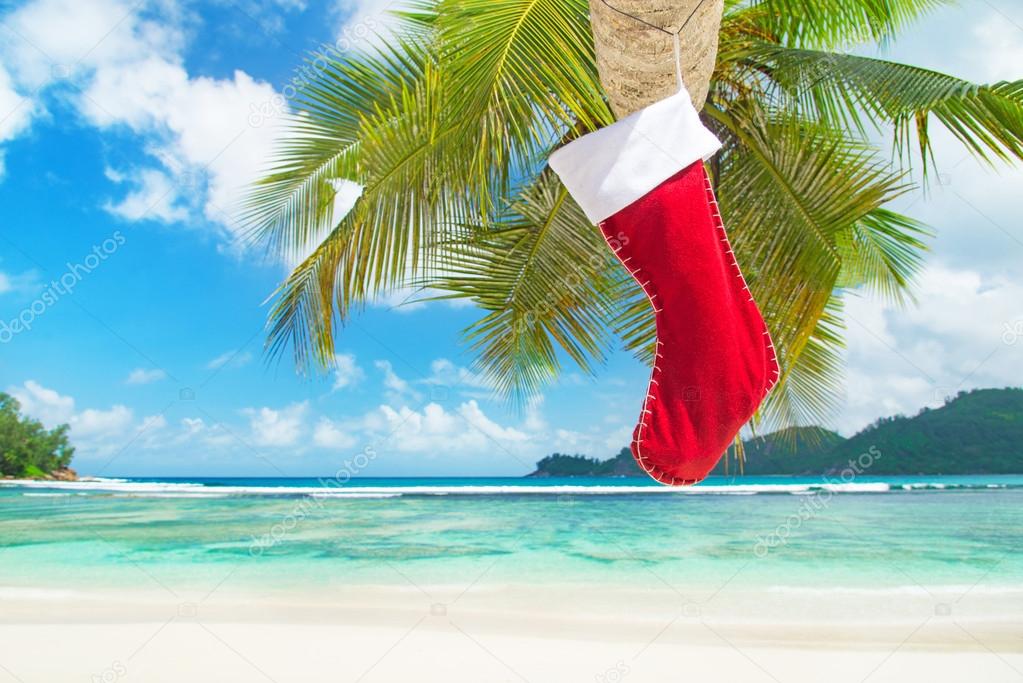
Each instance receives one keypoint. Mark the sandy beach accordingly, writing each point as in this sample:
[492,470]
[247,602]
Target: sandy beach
[485,632]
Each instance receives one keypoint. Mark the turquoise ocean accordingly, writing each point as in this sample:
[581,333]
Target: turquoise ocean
[874,533]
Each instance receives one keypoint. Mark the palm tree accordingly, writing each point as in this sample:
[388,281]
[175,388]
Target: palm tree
[448,127]
[635,51]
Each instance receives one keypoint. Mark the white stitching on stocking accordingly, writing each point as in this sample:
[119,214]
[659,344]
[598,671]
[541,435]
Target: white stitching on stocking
[652,470]
[716,211]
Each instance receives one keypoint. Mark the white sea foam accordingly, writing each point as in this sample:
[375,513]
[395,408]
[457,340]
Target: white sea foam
[195,489]
[212,493]
[348,494]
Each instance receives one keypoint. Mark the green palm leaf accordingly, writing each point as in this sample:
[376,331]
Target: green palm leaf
[812,390]
[835,23]
[881,253]
[548,285]
[839,88]
[288,207]
[523,72]
[410,166]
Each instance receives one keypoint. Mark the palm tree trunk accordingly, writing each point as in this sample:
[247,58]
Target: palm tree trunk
[637,63]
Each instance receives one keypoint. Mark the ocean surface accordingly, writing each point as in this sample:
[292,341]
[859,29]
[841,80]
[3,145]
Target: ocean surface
[895,534]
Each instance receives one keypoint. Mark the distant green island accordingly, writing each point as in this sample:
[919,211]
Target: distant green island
[30,451]
[976,432]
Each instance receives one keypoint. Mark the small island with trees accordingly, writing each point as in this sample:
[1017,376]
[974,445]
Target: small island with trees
[28,450]
[976,432]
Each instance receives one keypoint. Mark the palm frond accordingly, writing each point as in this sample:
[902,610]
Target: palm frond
[548,284]
[881,253]
[836,23]
[288,208]
[841,88]
[409,163]
[812,390]
[523,72]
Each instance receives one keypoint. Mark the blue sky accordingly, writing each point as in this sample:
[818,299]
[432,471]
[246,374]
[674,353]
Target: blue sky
[126,132]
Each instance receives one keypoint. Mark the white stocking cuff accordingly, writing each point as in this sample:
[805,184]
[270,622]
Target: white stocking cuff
[610,168]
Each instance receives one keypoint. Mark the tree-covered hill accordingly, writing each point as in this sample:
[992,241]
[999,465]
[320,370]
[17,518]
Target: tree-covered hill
[797,450]
[560,465]
[27,448]
[977,432]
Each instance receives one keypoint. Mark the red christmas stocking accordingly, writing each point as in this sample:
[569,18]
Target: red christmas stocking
[642,180]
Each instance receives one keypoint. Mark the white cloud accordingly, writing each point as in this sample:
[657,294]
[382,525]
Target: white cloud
[412,300]
[966,332]
[16,112]
[329,434]
[436,431]
[446,373]
[18,282]
[363,23]
[535,421]
[154,422]
[347,372]
[593,443]
[276,428]
[192,425]
[459,436]
[267,13]
[155,197]
[200,128]
[474,416]
[205,125]
[15,109]
[67,39]
[126,62]
[1002,53]
[234,358]
[401,300]
[396,388]
[195,429]
[144,376]
[618,439]
[92,429]
[99,423]
[46,405]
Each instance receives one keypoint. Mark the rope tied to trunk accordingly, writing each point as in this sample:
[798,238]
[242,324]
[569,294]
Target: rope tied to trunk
[674,34]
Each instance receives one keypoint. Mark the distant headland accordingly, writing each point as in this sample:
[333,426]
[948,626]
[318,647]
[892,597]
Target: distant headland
[976,432]
[28,450]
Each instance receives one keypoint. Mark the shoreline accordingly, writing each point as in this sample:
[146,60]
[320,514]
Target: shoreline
[319,489]
[843,612]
